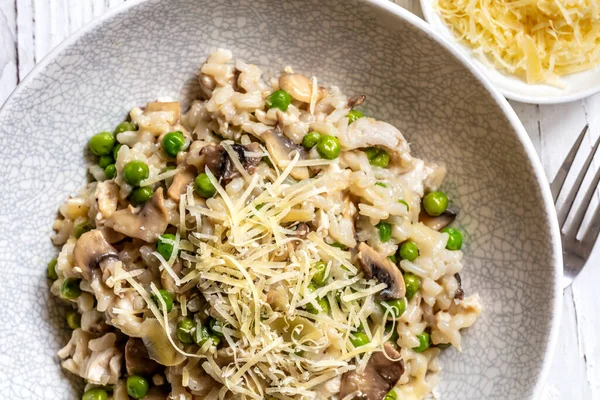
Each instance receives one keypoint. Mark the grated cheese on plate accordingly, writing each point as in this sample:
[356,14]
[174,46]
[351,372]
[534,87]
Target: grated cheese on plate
[537,40]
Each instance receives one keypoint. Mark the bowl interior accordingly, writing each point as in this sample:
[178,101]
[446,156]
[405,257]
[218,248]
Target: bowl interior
[576,86]
[153,49]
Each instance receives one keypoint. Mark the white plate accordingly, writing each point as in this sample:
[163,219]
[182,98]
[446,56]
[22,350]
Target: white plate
[577,86]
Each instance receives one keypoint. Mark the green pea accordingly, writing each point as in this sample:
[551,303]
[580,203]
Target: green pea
[455,238]
[166,296]
[116,150]
[163,247]
[173,143]
[385,231]
[105,161]
[125,126]
[391,395]
[353,115]
[52,269]
[338,245]
[412,283]
[137,386]
[202,334]
[95,394]
[279,99]
[409,250]
[110,171]
[70,288]
[359,339]
[377,157]
[383,185]
[323,305]
[216,327]
[424,342]
[393,258]
[328,147]
[380,160]
[320,277]
[371,152]
[405,203]
[73,319]
[435,203]
[135,171]
[185,330]
[310,139]
[204,187]
[81,228]
[101,144]
[140,195]
[396,307]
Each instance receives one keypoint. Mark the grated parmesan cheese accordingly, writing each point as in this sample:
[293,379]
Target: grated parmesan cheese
[537,40]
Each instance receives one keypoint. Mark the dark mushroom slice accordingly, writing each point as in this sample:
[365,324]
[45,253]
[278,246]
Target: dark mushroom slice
[147,224]
[379,377]
[459,294]
[137,360]
[376,266]
[356,101]
[220,164]
[302,230]
[91,251]
[181,180]
[281,149]
[440,222]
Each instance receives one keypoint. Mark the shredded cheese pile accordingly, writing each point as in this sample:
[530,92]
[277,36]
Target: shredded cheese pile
[538,40]
[253,261]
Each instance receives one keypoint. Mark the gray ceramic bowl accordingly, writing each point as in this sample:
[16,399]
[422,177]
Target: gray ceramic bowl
[412,79]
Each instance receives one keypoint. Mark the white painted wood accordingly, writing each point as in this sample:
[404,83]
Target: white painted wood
[29,29]
[8,54]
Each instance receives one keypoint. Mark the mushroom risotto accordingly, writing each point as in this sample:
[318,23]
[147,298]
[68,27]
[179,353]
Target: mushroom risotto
[271,243]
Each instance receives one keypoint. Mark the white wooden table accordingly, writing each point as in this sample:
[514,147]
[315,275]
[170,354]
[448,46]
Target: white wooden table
[29,29]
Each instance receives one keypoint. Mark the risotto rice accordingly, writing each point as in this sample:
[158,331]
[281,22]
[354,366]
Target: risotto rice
[270,243]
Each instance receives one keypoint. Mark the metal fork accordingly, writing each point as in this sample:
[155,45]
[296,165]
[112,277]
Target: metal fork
[576,250]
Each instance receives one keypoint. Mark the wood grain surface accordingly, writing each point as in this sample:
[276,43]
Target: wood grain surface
[29,29]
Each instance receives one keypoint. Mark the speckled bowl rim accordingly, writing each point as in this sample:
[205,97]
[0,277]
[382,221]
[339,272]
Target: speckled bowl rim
[407,16]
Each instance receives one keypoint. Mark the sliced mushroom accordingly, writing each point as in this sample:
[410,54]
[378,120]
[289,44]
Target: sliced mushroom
[459,294]
[111,235]
[367,132]
[356,101]
[158,345]
[376,266]
[300,87]
[379,377]
[137,360]
[281,148]
[150,222]
[93,251]
[220,164]
[302,230]
[181,180]
[440,222]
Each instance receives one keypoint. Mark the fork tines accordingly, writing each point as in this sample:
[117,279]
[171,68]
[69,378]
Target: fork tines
[563,208]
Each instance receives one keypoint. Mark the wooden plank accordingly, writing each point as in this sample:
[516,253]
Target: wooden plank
[9,72]
[567,374]
[529,114]
[25,37]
